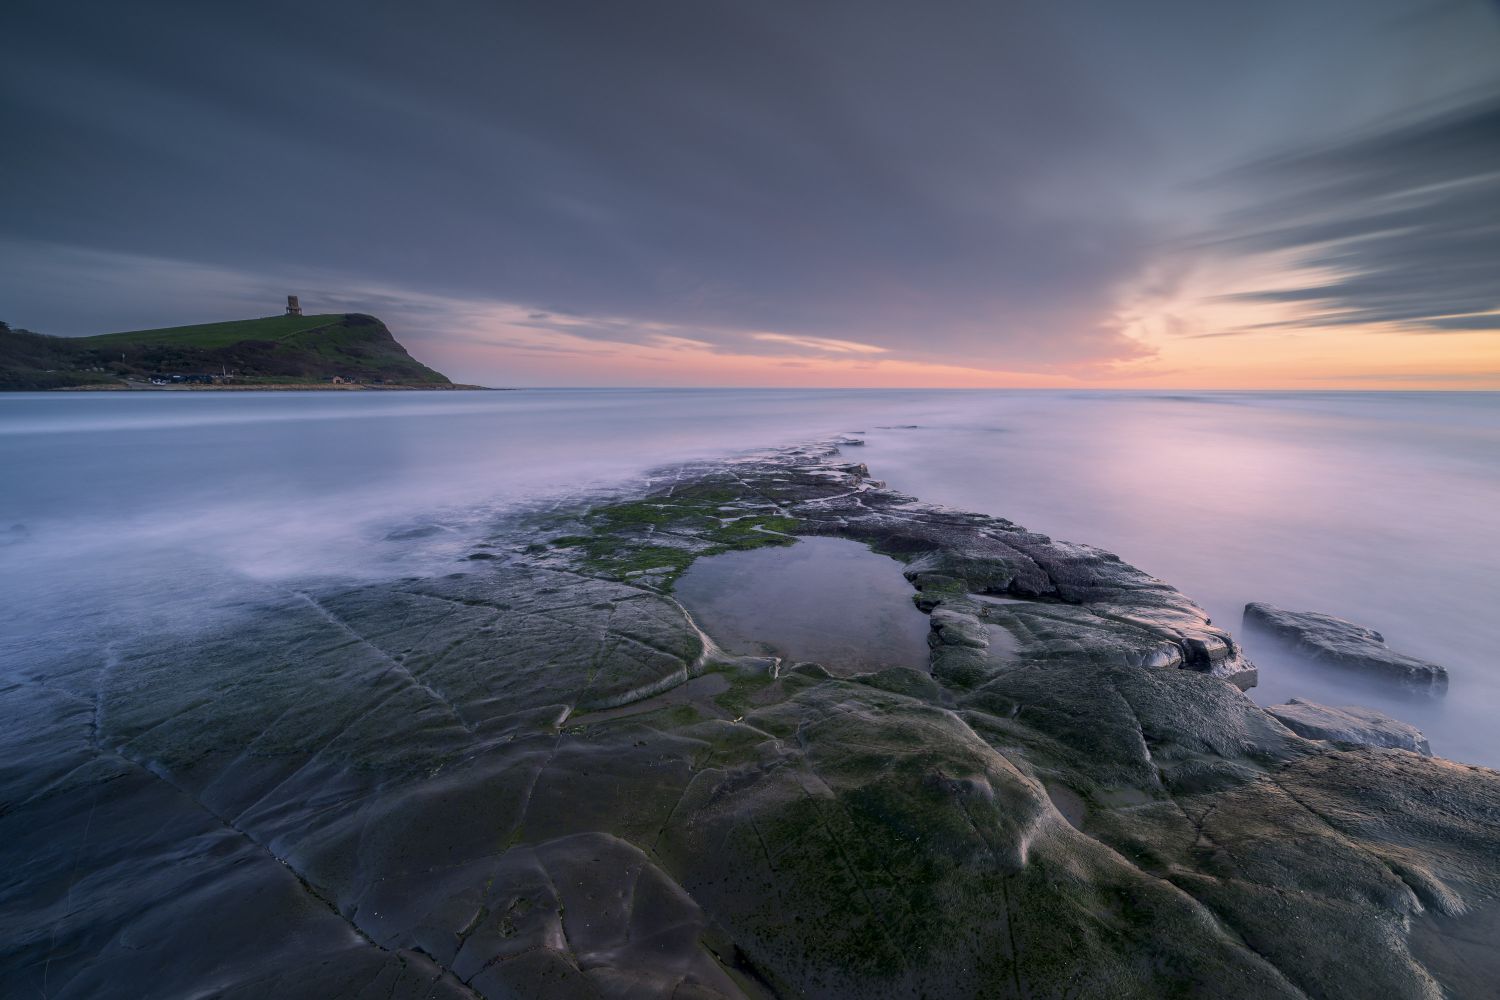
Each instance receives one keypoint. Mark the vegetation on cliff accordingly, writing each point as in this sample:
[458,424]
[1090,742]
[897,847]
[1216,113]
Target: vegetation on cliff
[273,350]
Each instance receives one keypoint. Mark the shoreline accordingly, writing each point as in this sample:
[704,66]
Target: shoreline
[1075,793]
[271,387]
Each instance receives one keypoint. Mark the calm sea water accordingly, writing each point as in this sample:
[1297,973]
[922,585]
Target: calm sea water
[124,512]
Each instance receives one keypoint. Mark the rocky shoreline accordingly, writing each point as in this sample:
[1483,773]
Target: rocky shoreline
[536,777]
[268,387]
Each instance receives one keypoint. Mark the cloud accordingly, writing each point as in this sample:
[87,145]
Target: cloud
[970,184]
[679,343]
[1476,322]
[478,340]
[827,345]
[870,166]
[1401,224]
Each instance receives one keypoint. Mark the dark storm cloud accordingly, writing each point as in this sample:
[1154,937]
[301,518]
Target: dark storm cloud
[877,171]
[960,180]
[1407,222]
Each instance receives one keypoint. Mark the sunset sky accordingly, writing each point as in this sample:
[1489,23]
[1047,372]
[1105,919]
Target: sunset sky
[1290,194]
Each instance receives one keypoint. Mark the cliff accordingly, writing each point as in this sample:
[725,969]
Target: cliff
[273,350]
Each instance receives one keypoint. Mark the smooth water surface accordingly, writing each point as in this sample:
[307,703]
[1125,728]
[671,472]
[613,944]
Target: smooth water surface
[1383,508]
[828,600]
[128,511]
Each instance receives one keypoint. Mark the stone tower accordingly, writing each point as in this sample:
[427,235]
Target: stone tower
[293,307]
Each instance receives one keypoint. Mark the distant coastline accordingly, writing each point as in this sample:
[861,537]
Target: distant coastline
[293,352]
[266,387]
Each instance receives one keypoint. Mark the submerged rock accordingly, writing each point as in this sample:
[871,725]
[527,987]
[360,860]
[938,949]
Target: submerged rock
[540,779]
[1334,641]
[1349,724]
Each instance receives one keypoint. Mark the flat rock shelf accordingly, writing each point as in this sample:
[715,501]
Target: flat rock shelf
[1344,645]
[537,776]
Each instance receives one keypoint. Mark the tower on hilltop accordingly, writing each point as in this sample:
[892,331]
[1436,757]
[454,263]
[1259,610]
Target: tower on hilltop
[293,307]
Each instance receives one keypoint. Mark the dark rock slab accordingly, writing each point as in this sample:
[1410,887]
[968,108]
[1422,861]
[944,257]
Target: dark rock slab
[1336,642]
[537,778]
[1349,724]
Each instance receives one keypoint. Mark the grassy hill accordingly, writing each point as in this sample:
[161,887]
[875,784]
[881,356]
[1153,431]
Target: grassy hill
[273,350]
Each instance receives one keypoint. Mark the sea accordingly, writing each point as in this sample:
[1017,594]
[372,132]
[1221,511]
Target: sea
[133,513]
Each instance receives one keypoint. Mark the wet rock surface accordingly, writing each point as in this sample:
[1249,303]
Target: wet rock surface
[1345,645]
[536,777]
[1349,724]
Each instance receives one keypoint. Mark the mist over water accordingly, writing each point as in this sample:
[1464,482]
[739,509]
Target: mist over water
[161,511]
[1383,508]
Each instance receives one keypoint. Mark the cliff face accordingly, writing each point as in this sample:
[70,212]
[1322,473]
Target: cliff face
[275,349]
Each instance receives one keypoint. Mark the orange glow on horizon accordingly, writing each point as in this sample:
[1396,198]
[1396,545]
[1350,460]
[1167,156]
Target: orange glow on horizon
[1196,337]
[1326,358]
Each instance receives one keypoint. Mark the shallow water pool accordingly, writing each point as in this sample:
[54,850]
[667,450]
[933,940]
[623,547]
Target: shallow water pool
[827,600]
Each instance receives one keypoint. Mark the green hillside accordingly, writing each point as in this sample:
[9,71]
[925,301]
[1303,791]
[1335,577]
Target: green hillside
[218,334]
[273,350]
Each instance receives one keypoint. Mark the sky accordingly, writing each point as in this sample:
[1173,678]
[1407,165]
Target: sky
[1289,194]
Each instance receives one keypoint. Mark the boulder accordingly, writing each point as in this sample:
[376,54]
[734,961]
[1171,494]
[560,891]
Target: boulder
[1349,724]
[1336,642]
